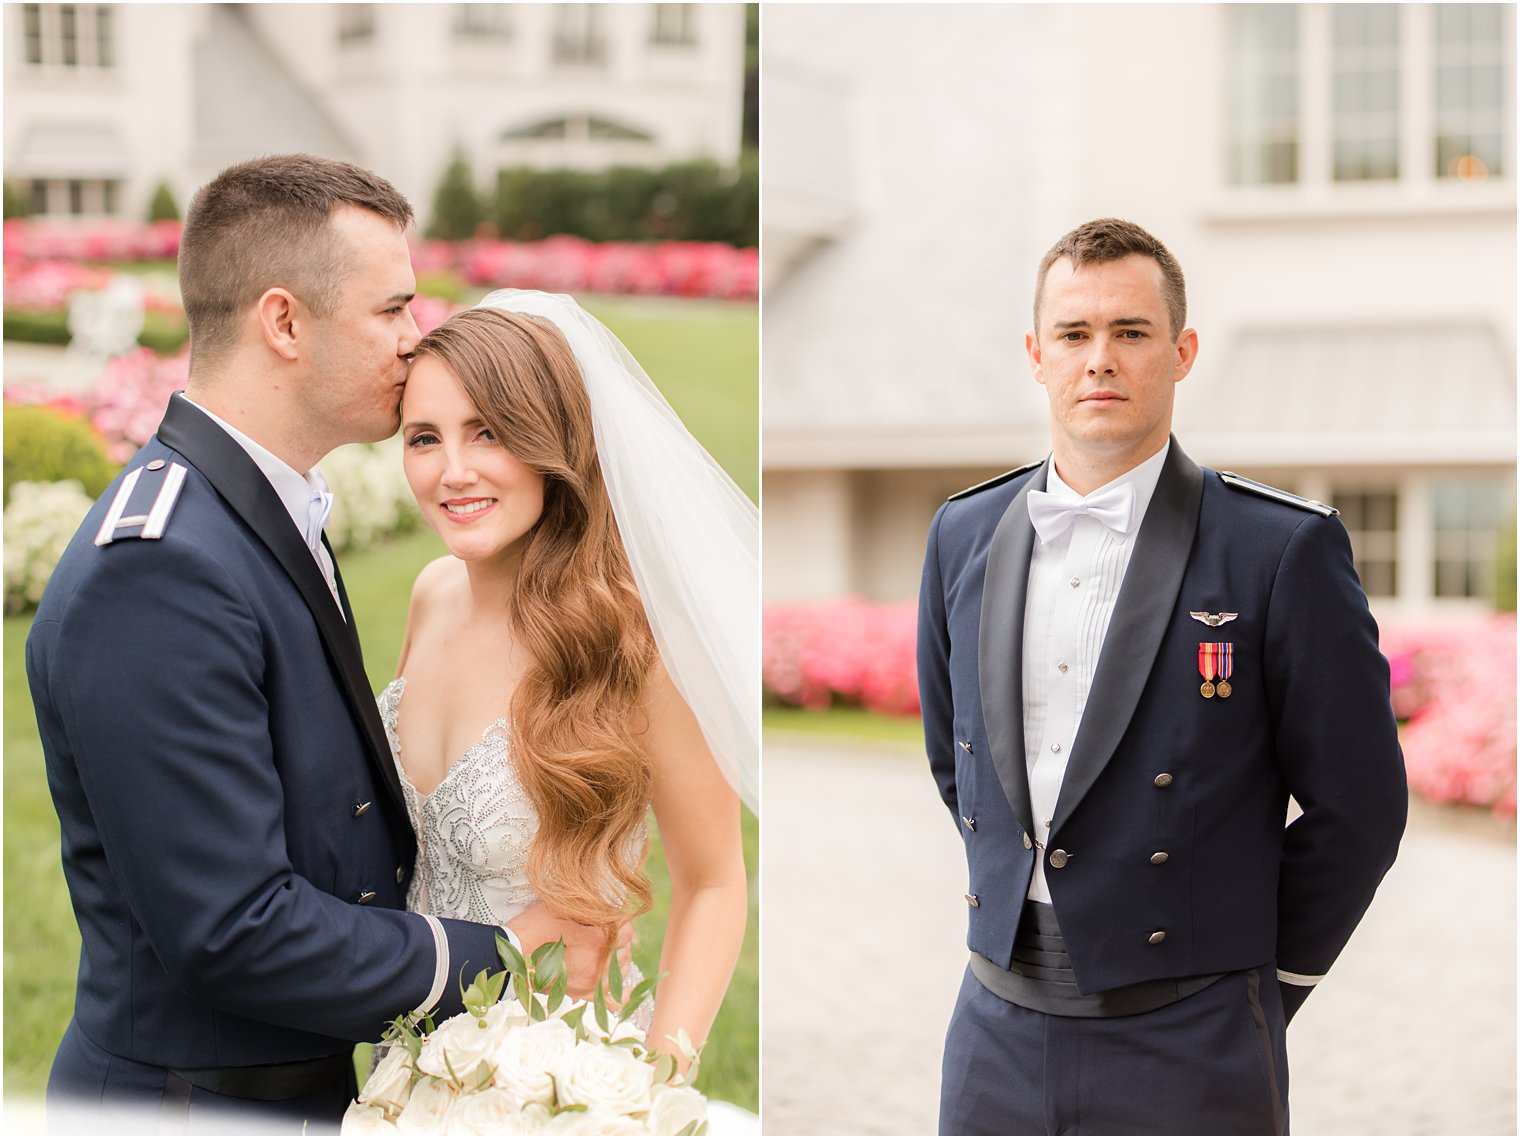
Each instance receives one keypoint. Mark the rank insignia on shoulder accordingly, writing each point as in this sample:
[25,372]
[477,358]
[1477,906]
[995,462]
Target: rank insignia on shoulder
[1262,490]
[157,480]
[996,480]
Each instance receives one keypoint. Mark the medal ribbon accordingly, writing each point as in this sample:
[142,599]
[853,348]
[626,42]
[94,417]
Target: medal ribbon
[1208,655]
[1226,660]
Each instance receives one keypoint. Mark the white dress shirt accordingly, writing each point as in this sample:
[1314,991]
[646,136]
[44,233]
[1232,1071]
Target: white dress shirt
[1074,581]
[294,489]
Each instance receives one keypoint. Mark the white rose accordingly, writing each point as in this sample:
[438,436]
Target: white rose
[671,1110]
[429,1111]
[534,1119]
[458,1049]
[527,1056]
[490,1111]
[599,1075]
[390,1084]
[505,1014]
[594,1122]
[366,1119]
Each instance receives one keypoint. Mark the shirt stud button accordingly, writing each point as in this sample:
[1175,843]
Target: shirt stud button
[1074,582]
[1061,667]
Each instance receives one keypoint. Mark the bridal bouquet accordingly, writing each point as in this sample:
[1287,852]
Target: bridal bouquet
[532,1062]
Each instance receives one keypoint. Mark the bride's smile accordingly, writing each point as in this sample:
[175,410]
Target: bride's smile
[480,499]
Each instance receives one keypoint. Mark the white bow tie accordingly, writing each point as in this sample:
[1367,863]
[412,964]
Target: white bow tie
[1054,514]
[317,510]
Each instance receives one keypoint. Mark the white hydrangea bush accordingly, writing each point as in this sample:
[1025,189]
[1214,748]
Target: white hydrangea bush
[40,519]
[371,499]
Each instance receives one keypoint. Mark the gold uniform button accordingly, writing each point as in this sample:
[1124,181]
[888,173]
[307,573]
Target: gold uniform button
[400,874]
[1028,843]
[366,897]
[360,808]
[156,465]
[970,823]
[1156,859]
[1059,858]
[973,901]
[966,744]
[1158,937]
[1163,780]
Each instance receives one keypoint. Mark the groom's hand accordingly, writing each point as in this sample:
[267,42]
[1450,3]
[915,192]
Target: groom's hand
[585,952]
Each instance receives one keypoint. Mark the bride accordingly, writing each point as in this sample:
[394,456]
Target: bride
[585,651]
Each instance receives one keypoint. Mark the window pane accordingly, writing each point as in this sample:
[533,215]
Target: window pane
[1263,111]
[32,18]
[1471,77]
[69,34]
[1365,92]
[76,197]
[105,54]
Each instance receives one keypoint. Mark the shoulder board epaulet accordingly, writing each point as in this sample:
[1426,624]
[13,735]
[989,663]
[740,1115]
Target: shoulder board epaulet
[997,480]
[152,490]
[1251,486]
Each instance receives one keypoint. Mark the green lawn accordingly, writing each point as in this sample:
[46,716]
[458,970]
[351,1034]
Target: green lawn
[704,356]
[846,723]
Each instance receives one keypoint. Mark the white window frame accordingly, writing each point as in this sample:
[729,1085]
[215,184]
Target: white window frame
[87,54]
[1316,193]
[674,25]
[55,202]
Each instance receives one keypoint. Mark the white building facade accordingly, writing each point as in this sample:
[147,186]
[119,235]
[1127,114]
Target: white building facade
[1337,182]
[105,101]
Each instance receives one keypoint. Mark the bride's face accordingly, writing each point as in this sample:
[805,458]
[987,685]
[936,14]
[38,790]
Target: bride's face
[480,499]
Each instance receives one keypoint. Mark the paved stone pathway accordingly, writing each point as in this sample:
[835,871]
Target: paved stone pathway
[862,953]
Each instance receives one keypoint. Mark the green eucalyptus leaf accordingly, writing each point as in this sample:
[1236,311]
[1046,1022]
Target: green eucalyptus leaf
[599,1005]
[574,1017]
[522,989]
[664,1067]
[558,990]
[549,967]
[690,1128]
[640,991]
[615,976]
[510,957]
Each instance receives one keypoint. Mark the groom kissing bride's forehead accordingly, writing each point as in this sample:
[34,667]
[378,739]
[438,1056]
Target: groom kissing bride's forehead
[235,839]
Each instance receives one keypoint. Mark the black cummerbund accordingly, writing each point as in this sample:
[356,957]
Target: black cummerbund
[1041,978]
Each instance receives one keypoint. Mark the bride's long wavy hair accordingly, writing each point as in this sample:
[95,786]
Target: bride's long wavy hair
[577,712]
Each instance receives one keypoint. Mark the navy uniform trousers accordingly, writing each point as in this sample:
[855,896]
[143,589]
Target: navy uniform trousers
[1214,1063]
[1169,855]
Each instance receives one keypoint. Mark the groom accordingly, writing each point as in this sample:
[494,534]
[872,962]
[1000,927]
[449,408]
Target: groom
[233,834]
[1128,663]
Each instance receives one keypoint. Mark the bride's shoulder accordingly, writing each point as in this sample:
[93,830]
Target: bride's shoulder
[438,582]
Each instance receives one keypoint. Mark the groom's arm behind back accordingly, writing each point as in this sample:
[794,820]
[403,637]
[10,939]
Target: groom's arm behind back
[934,692]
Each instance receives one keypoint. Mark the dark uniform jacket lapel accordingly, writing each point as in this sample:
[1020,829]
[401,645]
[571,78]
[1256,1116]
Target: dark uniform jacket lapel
[1144,608]
[1000,647]
[243,486]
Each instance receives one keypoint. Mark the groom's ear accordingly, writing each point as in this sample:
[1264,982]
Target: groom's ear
[1032,347]
[282,320]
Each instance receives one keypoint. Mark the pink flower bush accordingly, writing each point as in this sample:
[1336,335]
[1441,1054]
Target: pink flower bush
[100,241]
[132,396]
[849,650]
[43,285]
[1458,696]
[571,264]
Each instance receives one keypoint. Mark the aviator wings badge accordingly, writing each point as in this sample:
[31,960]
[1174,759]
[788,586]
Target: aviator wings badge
[1214,620]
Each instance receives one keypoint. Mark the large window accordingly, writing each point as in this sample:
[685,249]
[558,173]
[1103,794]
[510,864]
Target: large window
[75,197]
[1371,518]
[1365,92]
[578,36]
[1263,94]
[68,35]
[1351,93]
[1467,527]
[1469,91]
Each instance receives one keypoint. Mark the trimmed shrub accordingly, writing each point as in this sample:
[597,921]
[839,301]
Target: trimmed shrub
[163,207]
[42,445]
[37,326]
[456,207]
[16,203]
[1504,568]
[40,520]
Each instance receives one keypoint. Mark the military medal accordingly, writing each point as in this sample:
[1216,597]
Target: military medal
[1226,661]
[1206,669]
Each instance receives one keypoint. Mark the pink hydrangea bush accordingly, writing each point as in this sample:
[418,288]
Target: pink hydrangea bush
[98,241]
[1454,685]
[132,397]
[848,650]
[572,264]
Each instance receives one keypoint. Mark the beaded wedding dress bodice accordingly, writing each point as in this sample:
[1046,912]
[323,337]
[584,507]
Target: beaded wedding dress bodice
[473,830]
[473,833]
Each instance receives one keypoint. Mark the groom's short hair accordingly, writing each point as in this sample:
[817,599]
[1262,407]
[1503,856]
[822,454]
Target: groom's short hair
[1111,239]
[262,224]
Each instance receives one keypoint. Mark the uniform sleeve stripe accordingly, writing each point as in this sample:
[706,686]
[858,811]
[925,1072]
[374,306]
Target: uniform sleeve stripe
[441,969]
[1300,978]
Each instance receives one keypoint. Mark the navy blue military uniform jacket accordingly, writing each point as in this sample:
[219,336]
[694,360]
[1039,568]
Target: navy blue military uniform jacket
[1157,767]
[223,782]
